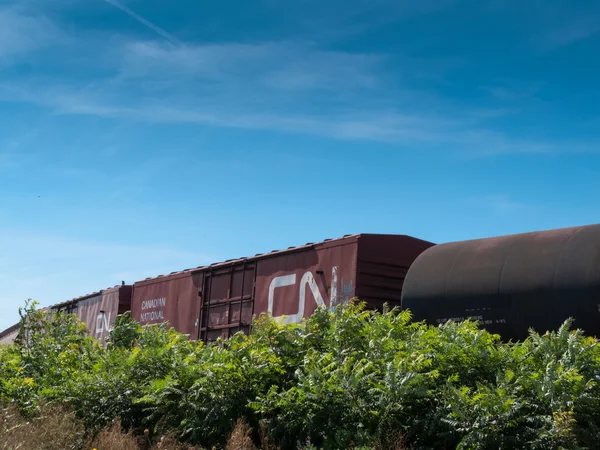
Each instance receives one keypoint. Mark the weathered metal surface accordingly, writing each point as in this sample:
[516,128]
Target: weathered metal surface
[290,284]
[293,284]
[8,336]
[98,311]
[383,261]
[511,283]
[219,300]
[173,299]
[227,300]
[94,314]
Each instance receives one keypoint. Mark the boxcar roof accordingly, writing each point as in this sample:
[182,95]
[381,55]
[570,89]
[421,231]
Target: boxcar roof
[273,253]
[9,330]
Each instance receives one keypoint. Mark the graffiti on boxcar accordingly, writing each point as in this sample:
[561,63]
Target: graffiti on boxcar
[102,322]
[308,283]
[480,319]
[346,293]
[156,307]
[308,280]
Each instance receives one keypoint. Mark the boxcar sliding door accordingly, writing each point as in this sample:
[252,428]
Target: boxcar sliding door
[227,301]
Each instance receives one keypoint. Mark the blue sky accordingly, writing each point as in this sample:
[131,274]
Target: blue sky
[144,136]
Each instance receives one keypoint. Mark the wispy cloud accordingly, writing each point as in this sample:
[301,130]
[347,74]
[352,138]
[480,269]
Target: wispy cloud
[287,85]
[8,160]
[341,69]
[514,90]
[465,131]
[153,60]
[22,33]
[158,30]
[284,65]
[503,205]
[574,31]
[393,127]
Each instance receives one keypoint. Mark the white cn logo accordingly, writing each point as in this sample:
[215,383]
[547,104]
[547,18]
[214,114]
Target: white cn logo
[102,321]
[308,280]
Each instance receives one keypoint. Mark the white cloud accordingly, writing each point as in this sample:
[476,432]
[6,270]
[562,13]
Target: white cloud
[157,60]
[274,65]
[285,86]
[331,70]
[21,33]
[288,86]
[459,130]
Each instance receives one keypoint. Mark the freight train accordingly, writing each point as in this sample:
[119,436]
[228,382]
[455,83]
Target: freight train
[221,299]
[508,284]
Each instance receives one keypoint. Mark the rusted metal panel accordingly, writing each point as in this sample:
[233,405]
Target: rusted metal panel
[88,311]
[511,283]
[383,261]
[227,300]
[294,284]
[125,297]
[100,311]
[173,299]
[8,336]
[219,300]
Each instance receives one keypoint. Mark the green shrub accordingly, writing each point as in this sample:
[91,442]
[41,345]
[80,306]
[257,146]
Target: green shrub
[345,378]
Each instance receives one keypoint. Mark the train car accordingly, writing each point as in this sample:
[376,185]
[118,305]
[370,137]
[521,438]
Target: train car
[8,336]
[97,310]
[219,300]
[511,283]
[171,298]
[100,309]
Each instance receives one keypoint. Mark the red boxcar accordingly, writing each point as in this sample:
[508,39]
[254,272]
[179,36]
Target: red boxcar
[172,299]
[100,309]
[8,336]
[221,299]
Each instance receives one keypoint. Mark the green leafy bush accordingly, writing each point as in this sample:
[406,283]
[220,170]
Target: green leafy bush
[345,378]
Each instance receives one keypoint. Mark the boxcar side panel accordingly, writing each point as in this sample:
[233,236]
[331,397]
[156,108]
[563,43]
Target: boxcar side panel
[88,310]
[99,313]
[8,336]
[294,284]
[173,299]
[383,262]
